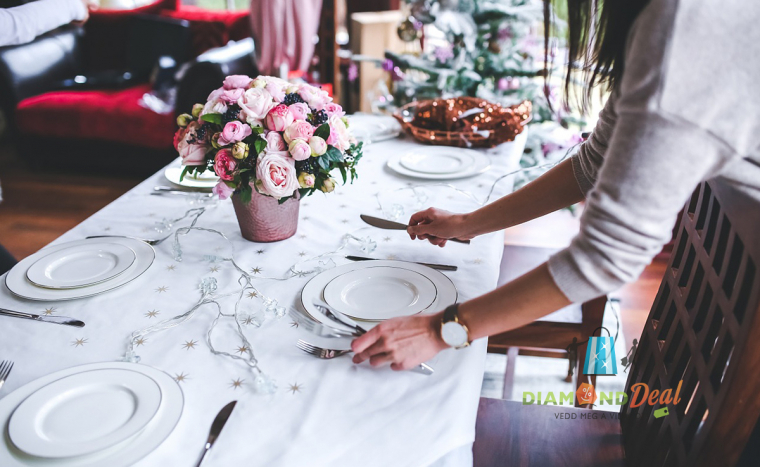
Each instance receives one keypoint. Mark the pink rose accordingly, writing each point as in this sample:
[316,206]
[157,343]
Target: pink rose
[277,175]
[318,145]
[222,190]
[300,111]
[254,104]
[191,153]
[233,132]
[231,95]
[237,82]
[275,89]
[178,136]
[275,142]
[315,97]
[339,136]
[225,164]
[334,109]
[300,129]
[279,118]
[214,103]
[299,149]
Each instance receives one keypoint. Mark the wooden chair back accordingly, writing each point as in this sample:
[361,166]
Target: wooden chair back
[703,333]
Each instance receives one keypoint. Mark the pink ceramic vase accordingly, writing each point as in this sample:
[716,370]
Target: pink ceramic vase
[264,219]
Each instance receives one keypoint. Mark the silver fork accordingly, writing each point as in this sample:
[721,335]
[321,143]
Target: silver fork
[149,242]
[321,329]
[319,352]
[5,369]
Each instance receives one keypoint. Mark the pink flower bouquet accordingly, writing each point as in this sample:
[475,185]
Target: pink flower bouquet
[270,135]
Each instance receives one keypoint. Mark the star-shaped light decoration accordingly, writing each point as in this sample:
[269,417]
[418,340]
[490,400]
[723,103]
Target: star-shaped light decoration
[171,267]
[236,383]
[242,349]
[181,377]
[252,294]
[378,208]
[302,253]
[302,236]
[248,320]
[152,314]
[343,206]
[259,252]
[162,289]
[107,229]
[256,270]
[189,344]
[477,261]
[299,274]
[293,324]
[294,388]
[306,218]
[140,341]
[49,311]
[386,239]
[214,269]
[151,214]
[79,342]
[344,221]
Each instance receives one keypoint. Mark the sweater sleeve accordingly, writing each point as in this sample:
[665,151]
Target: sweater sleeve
[589,158]
[22,24]
[651,166]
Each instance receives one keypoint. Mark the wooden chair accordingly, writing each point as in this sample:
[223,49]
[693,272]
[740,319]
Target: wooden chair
[550,336]
[703,330]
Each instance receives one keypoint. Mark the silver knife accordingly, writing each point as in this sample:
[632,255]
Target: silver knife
[165,190]
[390,225]
[339,317]
[216,428]
[45,319]
[442,267]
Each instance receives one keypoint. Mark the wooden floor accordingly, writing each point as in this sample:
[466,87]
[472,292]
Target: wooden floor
[37,208]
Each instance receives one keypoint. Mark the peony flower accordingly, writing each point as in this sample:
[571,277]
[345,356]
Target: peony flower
[231,96]
[237,82]
[339,135]
[334,109]
[300,110]
[328,185]
[315,97]
[275,143]
[233,132]
[240,150]
[191,153]
[214,103]
[179,135]
[299,149]
[225,164]
[318,146]
[279,118]
[275,89]
[306,180]
[254,104]
[276,175]
[222,190]
[300,129]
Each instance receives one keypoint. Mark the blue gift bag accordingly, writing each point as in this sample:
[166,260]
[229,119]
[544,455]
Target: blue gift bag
[600,355]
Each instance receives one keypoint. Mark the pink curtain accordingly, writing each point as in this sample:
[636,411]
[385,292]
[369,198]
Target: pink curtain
[284,31]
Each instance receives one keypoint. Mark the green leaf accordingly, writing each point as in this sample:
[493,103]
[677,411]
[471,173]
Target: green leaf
[212,118]
[259,145]
[323,131]
[184,171]
[343,173]
[305,191]
[257,130]
[334,154]
[245,194]
[324,163]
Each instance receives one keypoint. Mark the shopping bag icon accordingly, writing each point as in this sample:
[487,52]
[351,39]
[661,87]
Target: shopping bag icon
[600,354]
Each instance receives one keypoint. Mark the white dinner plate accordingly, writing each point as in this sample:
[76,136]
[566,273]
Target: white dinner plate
[19,285]
[442,160]
[373,128]
[380,293]
[123,454]
[81,265]
[447,292]
[84,413]
[206,181]
[439,163]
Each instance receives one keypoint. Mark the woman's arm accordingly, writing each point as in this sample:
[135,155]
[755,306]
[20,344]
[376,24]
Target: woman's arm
[21,24]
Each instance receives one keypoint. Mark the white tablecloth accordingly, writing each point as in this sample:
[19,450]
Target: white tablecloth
[324,413]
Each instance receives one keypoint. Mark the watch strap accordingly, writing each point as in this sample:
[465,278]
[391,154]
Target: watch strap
[450,313]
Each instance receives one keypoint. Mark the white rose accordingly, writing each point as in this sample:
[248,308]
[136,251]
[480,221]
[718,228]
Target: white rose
[255,104]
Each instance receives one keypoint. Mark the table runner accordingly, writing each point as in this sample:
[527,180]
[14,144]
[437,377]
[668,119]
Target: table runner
[323,413]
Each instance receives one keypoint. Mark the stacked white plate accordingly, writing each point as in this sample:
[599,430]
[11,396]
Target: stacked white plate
[373,128]
[439,163]
[373,291]
[79,269]
[203,182]
[92,415]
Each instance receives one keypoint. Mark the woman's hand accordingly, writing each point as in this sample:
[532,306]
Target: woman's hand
[437,226]
[403,342]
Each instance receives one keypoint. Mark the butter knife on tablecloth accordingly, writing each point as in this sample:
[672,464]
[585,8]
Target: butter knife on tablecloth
[216,428]
[390,225]
[45,319]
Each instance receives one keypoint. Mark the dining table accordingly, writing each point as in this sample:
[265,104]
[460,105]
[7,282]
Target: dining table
[318,412]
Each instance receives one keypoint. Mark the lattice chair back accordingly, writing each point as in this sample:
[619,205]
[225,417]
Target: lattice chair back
[702,336]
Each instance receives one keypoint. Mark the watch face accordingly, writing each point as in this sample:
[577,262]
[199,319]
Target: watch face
[454,334]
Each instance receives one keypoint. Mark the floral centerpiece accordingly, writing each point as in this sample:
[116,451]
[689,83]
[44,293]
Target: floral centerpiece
[270,142]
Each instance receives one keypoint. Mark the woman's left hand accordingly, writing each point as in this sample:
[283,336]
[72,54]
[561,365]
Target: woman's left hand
[403,342]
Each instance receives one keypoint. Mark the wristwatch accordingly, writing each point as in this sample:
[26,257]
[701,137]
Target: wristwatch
[453,331]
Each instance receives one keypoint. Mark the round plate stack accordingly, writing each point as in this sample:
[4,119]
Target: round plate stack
[79,269]
[99,414]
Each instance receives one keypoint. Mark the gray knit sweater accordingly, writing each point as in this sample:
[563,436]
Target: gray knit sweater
[686,110]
